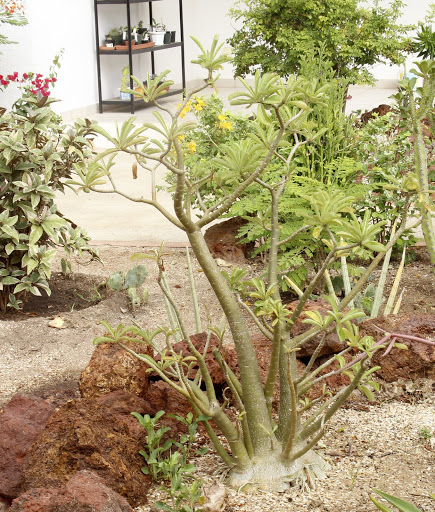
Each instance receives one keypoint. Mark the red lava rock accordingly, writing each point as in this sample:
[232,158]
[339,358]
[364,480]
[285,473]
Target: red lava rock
[165,398]
[418,360]
[332,345]
[381,110]
[22,419]
[222,241]
[91,434]
[111,368]
[199,341]
[35,500]
[84,492]
[4,504]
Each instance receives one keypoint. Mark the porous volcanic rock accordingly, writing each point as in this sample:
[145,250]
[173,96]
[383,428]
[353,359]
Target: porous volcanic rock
[84,492]
[332,345]
[22,419]
[111,368]
[35,500]
[418,360]
[199,341]
[90,434]
[163,397]
[222,241]
[380,111]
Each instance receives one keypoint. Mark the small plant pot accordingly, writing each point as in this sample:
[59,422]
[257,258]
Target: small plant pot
[157,37]
[133,42]
[139,38]
[124,95]
[117,40]
[167,38]
[173,36]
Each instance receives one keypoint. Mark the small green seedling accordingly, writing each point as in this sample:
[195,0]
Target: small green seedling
[132,281]
[425,433]
[172,467]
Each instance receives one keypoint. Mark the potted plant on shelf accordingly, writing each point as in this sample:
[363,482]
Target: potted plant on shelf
[140,28]
[167,37]
[142,32]
[109,41]
[125,84]
[116,35]
[132,36]
[157,33]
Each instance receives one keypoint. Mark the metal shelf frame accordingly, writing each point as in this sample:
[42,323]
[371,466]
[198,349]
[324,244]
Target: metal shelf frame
[130,51]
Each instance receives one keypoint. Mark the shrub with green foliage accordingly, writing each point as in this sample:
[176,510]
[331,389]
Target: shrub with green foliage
[385,151]
[320,163]
[36,153]
[275,34]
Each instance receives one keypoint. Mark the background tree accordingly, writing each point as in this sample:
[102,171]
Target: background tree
[275,35]
[11,13]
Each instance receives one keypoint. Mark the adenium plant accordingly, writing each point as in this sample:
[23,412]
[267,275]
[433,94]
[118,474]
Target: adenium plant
[267,449]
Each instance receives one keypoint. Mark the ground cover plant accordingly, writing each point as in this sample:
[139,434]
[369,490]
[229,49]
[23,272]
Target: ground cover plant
[266,450]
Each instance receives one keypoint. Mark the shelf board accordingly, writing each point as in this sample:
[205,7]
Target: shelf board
[139,101]
[124,2]
[155,48]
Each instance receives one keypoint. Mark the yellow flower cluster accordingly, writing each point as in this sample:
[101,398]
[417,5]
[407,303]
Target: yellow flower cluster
[223,124]
[197,103]
[191,146]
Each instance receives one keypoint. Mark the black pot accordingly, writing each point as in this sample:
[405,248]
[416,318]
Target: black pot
[117,39]
[173,36]
[167,38]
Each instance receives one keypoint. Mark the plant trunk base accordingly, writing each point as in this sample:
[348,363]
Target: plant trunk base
[273,474]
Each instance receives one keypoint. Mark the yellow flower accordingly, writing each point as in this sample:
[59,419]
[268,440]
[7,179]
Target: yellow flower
[225,125]
[198,107]
[221,117]
[191,146]
[181,137]
[200,101]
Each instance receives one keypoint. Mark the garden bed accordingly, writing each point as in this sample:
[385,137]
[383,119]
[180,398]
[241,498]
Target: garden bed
[374,444]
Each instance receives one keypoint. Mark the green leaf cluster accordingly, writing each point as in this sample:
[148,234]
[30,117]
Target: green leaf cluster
[275,34]
[172,467]
[36,154]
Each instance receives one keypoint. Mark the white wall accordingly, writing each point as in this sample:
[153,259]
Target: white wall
[69,24]
[413,12]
